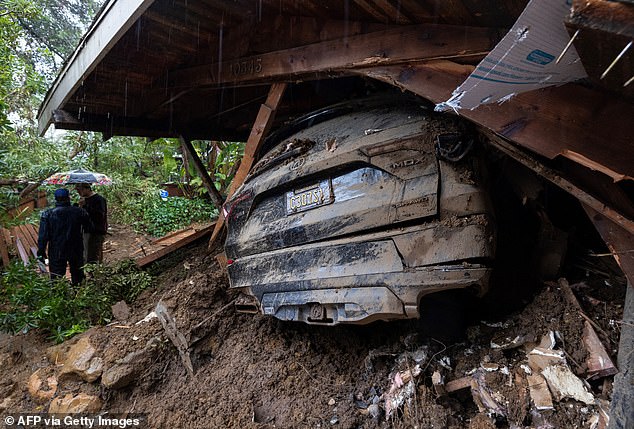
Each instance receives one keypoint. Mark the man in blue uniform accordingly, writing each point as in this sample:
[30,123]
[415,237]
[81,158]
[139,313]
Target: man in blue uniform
[61,230]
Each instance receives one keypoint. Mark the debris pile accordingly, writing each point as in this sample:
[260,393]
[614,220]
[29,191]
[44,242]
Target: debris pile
[549,365]
[524,376]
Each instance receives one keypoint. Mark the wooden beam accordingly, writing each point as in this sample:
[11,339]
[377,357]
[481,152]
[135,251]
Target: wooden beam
[556,179]
[619,241]
[148,259]
[424,42]
[588,126]
[134,126]
[261,126]
[621,244]
[188,148]
[24,255]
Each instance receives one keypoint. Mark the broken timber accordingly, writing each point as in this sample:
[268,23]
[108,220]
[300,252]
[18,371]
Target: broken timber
[586,122]
[619,242]
[174,242]
[262,124]
[190,152]
[556,179]
[20,240]
[175,336]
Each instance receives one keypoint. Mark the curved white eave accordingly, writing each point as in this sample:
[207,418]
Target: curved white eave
[116,18]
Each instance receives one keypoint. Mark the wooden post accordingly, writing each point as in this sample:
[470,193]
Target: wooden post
[202,171]
[621,243]
[261,126]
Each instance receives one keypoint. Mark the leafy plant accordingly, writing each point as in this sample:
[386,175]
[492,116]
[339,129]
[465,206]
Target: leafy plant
[123,281]
[29,300]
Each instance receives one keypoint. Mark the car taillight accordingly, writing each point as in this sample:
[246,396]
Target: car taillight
[229,208]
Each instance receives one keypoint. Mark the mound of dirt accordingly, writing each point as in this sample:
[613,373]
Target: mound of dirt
[255,371]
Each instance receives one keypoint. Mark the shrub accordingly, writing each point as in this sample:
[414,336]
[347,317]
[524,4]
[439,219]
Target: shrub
[29,300]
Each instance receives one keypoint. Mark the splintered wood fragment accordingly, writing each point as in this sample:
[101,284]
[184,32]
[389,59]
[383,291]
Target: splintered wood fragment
[540,395]
[221,258]
[261,126]
[439,384]
[485,398]
[21,251]
[175,336]
[540,358]
[599,363]
[570,297]
[4,249]
[193,236]
[458,384]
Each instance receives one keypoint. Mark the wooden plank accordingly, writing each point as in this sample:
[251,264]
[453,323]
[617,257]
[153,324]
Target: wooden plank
[27,231]
[22,251]
[27,240]
[30,230]
[554,121]
[170,235]
[539,392]
[4,249]
[7,237]
[425,42]
[599,363]
[619,241]
[260,128]
[141,262]
[559,181]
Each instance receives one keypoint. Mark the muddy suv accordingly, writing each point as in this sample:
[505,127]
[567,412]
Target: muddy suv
[356,212]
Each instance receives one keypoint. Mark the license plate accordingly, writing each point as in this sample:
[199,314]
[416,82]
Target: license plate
[310,197]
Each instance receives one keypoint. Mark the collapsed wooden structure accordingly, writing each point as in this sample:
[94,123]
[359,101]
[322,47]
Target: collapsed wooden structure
[233,70]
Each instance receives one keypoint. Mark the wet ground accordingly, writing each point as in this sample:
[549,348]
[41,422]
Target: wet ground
[254,371]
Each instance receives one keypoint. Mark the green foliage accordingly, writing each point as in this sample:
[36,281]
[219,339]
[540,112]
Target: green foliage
[122,282]
[160,217]
[137,202]
[229,153]
[29,300]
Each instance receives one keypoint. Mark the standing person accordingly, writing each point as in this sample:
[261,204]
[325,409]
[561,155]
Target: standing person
[97,209]
[61,230]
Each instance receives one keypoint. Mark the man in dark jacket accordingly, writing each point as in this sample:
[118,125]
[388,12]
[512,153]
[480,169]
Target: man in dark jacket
[97,209]
[61,230]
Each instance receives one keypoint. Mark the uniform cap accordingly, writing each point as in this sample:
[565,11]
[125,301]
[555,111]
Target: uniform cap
[60,194]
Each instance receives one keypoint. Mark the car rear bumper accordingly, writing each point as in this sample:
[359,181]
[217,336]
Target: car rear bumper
[365,278]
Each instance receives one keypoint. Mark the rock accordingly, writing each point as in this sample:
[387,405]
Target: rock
[120,311]
[118,376]
[375,411]
[57,354]
[331,402]
[81,361]
[81,403]
[34,387]
[94,370]
[6,403]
